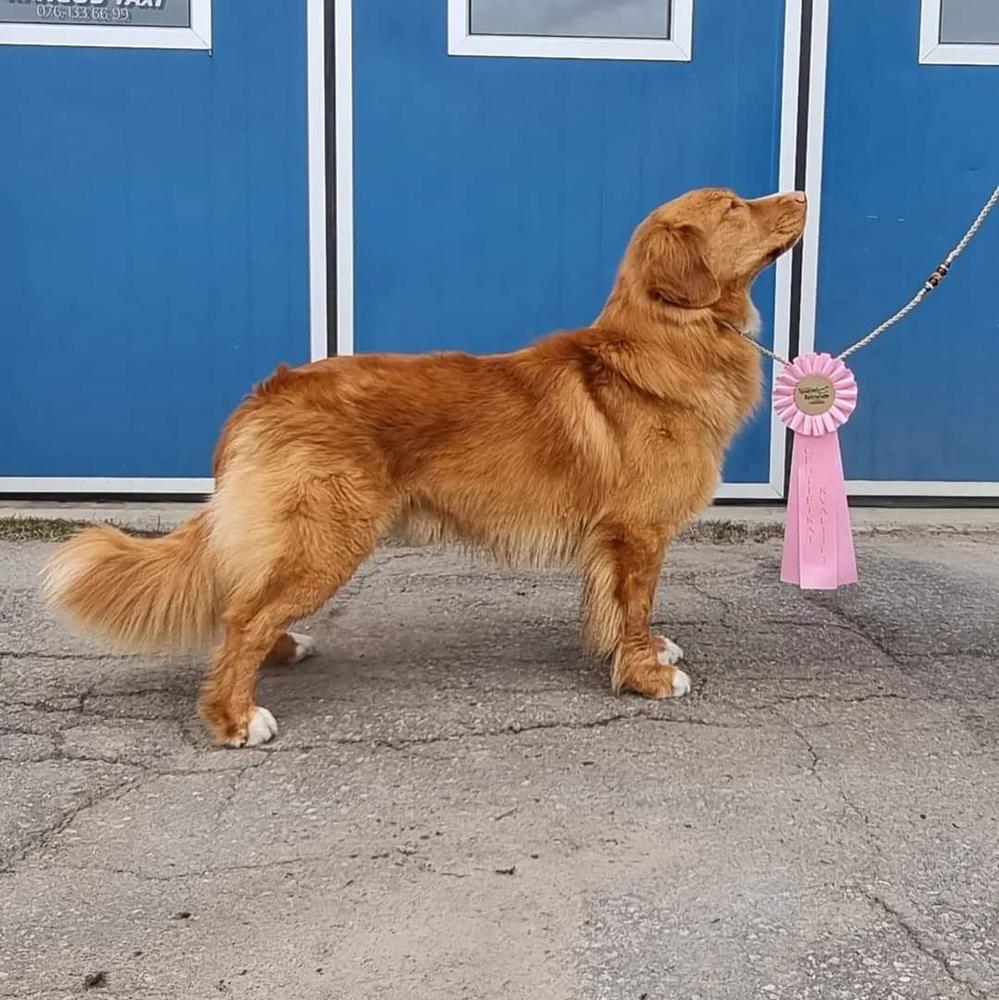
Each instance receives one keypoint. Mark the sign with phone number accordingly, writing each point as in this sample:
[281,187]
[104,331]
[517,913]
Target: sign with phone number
[107,13]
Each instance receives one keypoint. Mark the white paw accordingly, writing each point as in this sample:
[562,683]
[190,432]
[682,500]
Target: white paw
[681,683]
[262,728]
[305,646]
[669,652]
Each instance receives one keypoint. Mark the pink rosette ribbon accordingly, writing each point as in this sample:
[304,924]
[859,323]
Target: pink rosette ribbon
[814,396]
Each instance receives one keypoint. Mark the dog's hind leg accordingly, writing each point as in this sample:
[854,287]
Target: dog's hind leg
[621,564]
[254,622]
[290,567]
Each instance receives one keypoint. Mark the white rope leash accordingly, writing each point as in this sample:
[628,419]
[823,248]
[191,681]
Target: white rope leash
[939,273]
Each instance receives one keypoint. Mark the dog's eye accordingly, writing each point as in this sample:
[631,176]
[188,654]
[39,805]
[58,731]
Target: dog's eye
[735,207]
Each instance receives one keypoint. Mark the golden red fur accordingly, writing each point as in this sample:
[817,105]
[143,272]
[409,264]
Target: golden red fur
[593,446]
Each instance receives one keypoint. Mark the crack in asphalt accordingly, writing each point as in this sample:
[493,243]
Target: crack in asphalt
[855,623]
[770,705]
[917,939]
[813,768]
[145,772]
[697,588]
[877,854]
[512,729]
[30,654]
[211,870]
[43,836]
[149,770]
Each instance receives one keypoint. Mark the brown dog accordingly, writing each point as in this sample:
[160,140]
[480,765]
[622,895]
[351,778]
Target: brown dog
[593,447]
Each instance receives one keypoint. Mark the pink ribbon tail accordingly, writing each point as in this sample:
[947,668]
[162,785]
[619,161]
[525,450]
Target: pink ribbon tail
[818,542]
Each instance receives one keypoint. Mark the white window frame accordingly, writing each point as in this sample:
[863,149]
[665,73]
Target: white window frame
[676,48]
[142,36]
[934,52]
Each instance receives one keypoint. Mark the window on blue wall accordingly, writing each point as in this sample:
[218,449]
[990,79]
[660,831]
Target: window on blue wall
[571,29]
[959,32]
[968,22]
[572,18]
[130,24]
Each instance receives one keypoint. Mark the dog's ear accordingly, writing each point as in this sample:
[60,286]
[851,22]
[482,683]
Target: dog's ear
[675,269]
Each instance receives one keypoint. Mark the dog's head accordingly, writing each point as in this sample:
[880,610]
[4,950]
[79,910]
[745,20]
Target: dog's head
[706,245]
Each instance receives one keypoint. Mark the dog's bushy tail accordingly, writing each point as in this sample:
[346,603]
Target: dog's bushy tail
[138,593]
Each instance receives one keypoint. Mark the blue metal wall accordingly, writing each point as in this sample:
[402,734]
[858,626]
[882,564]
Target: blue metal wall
[911,153]
[154,217]
[153,243]
[494,196]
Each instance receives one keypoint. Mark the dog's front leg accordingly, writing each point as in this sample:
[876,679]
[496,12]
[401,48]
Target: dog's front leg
[621,564]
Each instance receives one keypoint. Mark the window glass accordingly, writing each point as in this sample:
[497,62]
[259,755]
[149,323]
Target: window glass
[165,14]
[969,22]
[572,18]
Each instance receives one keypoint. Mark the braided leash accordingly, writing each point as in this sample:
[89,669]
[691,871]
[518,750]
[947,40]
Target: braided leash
[939,273]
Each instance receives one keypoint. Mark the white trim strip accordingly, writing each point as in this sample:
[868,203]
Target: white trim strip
[927,488]
[786,175]
[102,484]
[676,48]
[201,21]
[535,47]
[961,55]
[316,55]
[749,491]
[682,25]
[344,143]
[929,27]
[814,146]
[726,491]
[112,484]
